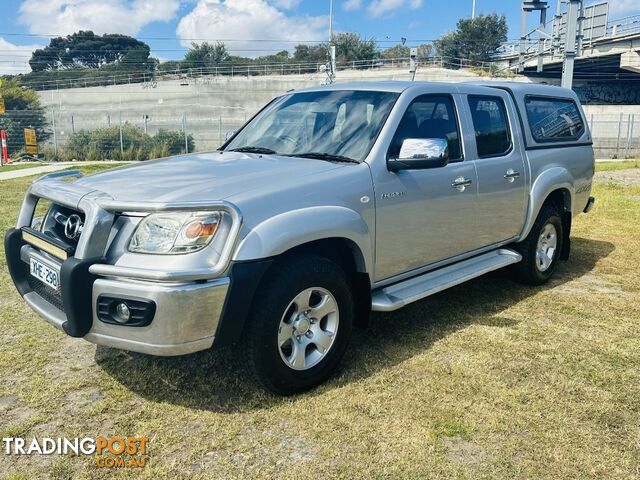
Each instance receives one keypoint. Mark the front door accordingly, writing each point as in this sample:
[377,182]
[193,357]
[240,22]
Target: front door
[423,216]
[500,168]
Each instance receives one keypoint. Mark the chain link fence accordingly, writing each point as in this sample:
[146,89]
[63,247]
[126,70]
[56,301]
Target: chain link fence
[615,136]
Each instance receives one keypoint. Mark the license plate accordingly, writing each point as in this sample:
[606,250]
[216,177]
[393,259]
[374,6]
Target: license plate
[45,273]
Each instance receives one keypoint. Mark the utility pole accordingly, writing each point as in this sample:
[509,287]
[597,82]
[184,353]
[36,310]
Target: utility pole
[529,6]
[523,37]
[570,42]
[55,138]
[581,19]
[331,54]
[556,29]
[542,37]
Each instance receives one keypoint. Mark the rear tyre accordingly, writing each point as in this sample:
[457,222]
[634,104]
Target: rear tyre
[541,249]
[299,326]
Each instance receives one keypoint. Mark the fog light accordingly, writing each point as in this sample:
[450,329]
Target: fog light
[123,314]
[129,312]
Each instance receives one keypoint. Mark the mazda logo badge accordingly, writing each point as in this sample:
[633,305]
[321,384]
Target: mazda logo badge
[73,227]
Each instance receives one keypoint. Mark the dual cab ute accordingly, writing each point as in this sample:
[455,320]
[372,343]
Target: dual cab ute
[329,203]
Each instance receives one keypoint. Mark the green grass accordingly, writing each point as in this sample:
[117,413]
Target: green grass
[490,380]
[622,165]
[20,166]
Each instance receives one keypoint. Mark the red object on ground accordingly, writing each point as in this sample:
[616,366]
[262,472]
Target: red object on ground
[5,156]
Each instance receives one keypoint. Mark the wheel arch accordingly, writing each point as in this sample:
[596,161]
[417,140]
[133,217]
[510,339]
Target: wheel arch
[309,226]
[554,186]
[348,255]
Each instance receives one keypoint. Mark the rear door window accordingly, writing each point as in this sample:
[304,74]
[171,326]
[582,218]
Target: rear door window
[490,123]
[554,119]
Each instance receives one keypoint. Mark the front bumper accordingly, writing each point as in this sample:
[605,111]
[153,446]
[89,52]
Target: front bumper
[186,316]
[188,294]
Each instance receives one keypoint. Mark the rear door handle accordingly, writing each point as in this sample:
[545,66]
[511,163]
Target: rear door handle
[461,183]
[511,175]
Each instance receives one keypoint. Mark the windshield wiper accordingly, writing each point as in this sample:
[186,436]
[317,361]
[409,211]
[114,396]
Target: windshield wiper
[324,156]
[265,151]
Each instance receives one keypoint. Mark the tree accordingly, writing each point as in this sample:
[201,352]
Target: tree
[310,53]
[205,55]
[351,47]
[402,51]
[424,51]
[88,50]
[474,39]
[23,111]
[397,51]
[282,56]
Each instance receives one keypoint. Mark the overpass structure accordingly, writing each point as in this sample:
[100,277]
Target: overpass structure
[602,56]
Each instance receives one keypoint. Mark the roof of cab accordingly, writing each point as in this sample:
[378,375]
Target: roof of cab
[526,88]
[397,86]
[387,86]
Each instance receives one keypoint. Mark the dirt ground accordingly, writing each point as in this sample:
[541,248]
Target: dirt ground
[624,178]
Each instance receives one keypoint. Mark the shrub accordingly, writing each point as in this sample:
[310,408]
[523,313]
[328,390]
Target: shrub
[105,144]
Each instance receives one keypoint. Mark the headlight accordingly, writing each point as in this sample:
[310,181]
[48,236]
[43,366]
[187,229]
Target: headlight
[36,223]
[174,232]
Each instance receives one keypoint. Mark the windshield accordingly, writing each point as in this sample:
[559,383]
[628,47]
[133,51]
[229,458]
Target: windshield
[332,125]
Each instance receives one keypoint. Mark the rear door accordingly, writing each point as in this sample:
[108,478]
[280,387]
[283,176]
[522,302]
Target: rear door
[500,167]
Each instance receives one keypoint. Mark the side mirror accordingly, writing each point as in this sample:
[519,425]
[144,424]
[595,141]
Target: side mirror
[228,135]
[420,153]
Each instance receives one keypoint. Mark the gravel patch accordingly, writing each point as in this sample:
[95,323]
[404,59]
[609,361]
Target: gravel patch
[624,178]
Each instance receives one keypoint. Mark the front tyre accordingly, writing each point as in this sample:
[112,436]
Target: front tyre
[541,249]
[300,324]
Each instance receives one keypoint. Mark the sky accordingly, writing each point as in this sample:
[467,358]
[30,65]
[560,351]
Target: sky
[248,27]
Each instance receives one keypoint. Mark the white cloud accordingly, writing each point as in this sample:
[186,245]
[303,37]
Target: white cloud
[249,21]
[286,4]
[15,58]
[63,17]
[623,6]
[379,7]
[351,5]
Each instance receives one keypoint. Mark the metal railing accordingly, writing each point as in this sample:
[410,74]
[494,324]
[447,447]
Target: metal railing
[150,79]
[623,26]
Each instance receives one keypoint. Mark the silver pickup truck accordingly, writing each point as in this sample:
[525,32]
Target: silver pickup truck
[330,203]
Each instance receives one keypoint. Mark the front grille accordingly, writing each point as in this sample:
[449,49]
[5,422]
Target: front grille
[54,224]
[47,293]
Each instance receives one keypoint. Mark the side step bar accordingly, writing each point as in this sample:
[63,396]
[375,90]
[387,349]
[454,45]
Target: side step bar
[400,294]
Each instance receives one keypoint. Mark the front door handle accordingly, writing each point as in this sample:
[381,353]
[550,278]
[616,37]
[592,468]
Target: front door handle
[511,175]
[461,183]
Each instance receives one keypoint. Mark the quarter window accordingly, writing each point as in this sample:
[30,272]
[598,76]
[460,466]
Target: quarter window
[554,119]
[491,126]
[429,116]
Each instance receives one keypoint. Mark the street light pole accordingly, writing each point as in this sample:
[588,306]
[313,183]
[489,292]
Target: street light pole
[473,9]
[331,20]
[331,68]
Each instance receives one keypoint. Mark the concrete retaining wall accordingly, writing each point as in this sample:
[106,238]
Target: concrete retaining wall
[208,107]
